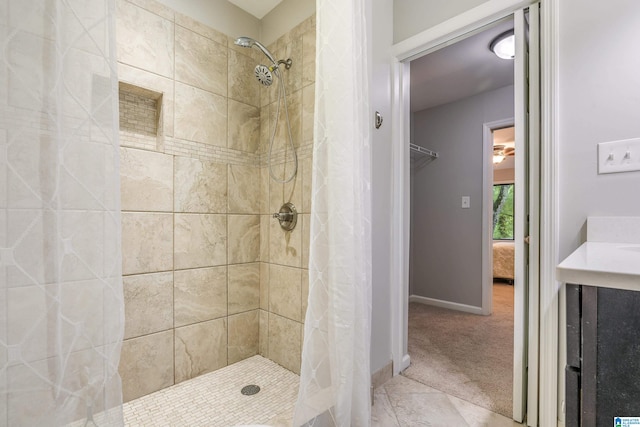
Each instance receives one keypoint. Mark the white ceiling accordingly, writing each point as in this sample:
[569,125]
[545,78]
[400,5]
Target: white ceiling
[460,70]
[258,8]
[505,136]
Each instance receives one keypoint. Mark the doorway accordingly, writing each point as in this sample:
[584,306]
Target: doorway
[457,343]
[526,325]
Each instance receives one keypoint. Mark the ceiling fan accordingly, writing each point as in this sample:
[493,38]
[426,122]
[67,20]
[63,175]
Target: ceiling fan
[500,152]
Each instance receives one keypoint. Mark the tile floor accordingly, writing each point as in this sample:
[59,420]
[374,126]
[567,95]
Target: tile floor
[214,399]
[404,402]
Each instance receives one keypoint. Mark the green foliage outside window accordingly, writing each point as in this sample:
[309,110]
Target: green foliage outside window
[503,211]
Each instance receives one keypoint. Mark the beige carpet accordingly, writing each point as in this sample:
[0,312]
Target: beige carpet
[465,355]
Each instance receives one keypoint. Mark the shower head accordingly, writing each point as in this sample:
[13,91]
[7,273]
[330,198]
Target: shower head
[249,42]
[263,74]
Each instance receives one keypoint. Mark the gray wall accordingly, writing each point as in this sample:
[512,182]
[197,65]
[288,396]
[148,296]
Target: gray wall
[446,239]
[599,93]
[230,19]
[284,17]
[220,15]
[411,17]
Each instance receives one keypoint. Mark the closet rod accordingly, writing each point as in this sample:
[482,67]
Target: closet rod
[423,150]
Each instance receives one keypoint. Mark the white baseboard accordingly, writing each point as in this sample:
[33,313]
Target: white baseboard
[406,361]
[446,304]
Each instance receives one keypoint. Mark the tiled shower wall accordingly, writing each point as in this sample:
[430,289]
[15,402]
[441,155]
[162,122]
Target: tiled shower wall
[209,277]
[284,274]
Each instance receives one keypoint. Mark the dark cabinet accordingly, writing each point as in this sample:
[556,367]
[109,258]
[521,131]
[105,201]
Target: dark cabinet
[603,355]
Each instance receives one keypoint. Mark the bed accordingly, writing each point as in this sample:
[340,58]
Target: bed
[503,259]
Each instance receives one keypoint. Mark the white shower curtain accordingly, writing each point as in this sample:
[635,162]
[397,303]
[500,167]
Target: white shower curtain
[61,308]
[335,376]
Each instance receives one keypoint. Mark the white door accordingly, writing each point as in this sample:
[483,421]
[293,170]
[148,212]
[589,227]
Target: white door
[527,196]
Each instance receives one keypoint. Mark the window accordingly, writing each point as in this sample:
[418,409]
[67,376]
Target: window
[503,211]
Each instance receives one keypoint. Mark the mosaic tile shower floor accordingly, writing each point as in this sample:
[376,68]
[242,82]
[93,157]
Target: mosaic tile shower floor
[214,399]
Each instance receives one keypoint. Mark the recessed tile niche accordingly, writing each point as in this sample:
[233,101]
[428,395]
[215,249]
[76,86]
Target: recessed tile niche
[139,115]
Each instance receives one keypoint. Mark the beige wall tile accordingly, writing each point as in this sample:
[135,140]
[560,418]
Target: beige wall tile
[307,177]
[244,335]
[244,189]
[294,51]
[265,224]
[148,303]
[190,23]
[285,291]
[309,57]
[308,109]
[145,40]
[244,287]
[282,193]
[265,129]
[146,181]
[304,286]
[147,242]
[244,126]
[305,223]
[285,247]
[243,86]
[200,116]
[264,334]
[265,179]
[200,240]
[244,238]
[200,61]
[146,364]
[200,348]
[200,295]
[200,186]
[155,7]
[264,286]
[285,336]
[294,107]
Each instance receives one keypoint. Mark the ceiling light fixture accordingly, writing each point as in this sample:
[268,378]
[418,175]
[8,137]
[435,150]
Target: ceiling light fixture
[497,158]
[504,46]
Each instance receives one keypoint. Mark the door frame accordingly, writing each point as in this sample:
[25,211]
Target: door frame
[487,210]
[546,383]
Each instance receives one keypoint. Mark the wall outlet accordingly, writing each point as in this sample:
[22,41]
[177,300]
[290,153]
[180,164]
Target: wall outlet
[466,202]
[619,156]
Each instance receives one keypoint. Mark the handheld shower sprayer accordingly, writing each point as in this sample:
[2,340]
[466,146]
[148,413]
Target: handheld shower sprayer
[249,42]
[263,72]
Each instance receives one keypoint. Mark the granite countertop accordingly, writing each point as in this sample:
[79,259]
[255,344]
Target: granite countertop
[610,257]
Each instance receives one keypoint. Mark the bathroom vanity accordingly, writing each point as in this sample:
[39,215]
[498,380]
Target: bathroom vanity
[602,374]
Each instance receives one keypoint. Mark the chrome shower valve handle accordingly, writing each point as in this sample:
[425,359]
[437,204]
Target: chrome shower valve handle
[287,216]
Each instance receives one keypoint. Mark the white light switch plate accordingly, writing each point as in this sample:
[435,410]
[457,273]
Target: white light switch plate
[466,202]
[619,156]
